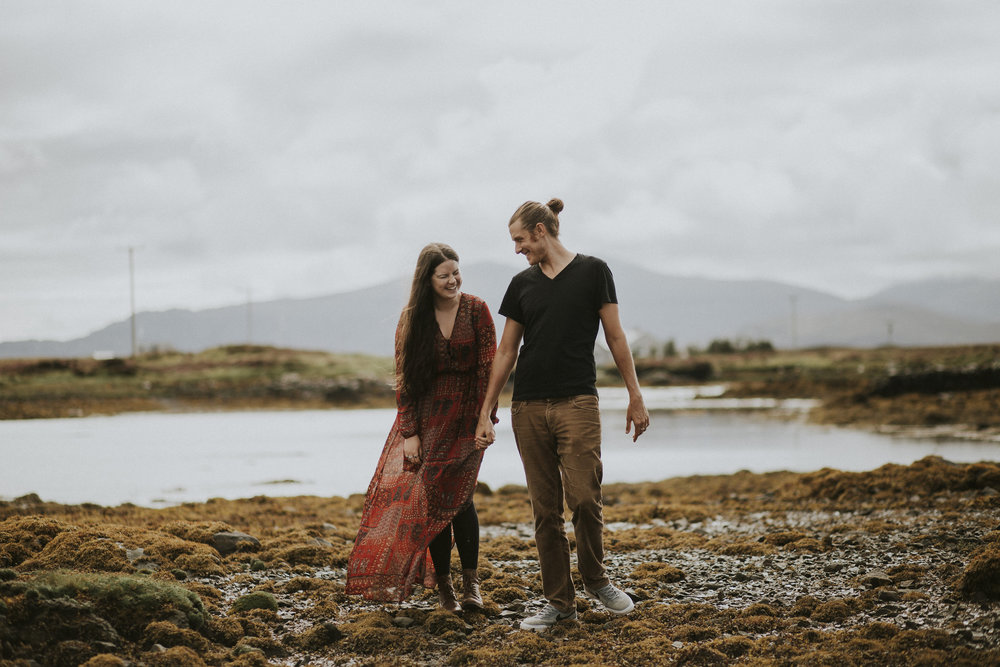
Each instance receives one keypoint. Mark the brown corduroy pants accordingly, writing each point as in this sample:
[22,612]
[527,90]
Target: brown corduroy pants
[560,445]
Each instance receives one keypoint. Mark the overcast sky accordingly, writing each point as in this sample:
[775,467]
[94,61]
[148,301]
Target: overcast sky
[289,148]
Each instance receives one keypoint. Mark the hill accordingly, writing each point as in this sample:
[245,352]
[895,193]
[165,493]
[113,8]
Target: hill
[688,310]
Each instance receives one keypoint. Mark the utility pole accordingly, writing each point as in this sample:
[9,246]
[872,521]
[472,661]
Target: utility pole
[249,316]
[131,282]
[794,299]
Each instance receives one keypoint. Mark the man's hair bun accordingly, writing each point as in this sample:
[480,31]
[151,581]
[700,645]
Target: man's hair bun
[555,205]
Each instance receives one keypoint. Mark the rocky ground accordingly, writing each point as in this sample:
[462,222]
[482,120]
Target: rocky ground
[897,566]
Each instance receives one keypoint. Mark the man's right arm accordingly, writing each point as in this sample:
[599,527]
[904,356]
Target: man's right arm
[503,364]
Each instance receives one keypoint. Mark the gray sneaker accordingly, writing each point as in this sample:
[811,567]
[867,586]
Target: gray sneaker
[546,618]
[614,599]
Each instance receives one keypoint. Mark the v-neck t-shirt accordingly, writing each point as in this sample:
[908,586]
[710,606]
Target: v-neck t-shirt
[561,317]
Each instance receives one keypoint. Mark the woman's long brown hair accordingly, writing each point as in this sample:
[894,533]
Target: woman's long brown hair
[417,325]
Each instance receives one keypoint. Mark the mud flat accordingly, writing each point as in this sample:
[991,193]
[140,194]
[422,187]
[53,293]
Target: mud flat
[895,566]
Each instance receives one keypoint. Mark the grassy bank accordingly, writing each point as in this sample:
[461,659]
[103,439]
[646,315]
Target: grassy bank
[233,377]
[930,387]
[902,387]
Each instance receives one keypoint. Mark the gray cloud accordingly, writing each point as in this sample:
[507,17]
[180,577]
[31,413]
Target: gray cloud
[295,149]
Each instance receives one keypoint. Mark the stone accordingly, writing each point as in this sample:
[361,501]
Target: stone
[332,632]
[403,621]
[877,578]
[229,542]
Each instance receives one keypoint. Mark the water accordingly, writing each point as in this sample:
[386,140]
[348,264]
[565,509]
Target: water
[156,459]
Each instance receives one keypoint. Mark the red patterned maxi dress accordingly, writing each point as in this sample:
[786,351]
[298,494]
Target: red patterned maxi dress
[405,507]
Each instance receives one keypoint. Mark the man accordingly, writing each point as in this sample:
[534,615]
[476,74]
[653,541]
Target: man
[555,306]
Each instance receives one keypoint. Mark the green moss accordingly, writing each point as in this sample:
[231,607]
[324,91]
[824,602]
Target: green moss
[255,600]
[126,600]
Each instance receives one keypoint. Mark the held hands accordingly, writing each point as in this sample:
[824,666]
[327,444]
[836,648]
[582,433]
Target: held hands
[636,415]
[412,451]
[485,434]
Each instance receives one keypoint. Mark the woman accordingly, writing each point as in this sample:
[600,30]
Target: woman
[426,476]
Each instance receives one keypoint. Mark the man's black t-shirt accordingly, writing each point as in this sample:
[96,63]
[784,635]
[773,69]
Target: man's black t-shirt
[560,317]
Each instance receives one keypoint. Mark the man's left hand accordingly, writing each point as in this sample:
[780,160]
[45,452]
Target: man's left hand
[637,416]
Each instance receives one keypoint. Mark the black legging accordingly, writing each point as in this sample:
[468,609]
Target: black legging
[466,524]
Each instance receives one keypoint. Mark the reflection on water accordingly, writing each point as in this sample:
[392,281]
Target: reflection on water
[155,459]
[706,397]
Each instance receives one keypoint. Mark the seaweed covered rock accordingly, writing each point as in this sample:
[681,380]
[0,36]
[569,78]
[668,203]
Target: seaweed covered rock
[38,543]
[35,621]
[196,531]
[178,656]
[893,482]
[90,550]
[23,537]
[317,637]
[981,577]
[228,541]
[255,600]
[167,634]
[105,660]
[56,614]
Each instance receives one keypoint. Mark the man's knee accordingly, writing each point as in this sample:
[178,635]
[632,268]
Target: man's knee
[583,490]
[548,517]
[587,508]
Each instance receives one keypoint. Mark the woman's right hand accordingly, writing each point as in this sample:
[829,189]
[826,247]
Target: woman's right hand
[485,433]
[411,449]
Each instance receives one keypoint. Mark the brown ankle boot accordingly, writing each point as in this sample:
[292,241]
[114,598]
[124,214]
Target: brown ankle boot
[446,594]
[471,597]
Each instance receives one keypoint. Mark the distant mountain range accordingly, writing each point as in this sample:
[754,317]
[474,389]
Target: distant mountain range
[689,311]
